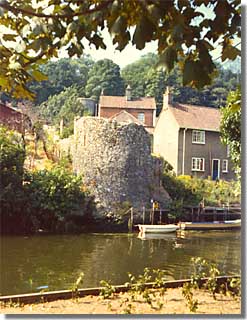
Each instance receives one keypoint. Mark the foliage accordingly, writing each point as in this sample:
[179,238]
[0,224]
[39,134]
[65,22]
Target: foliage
[188,294]
[12,156]
[136,74]
[104,75]
[62,74]
[187,190]
[213,192]
[107,289]
[146,80]
[45,199]
[231,127]
[179,191]
[78,282]
[63,106]
[54,194]
[34,32]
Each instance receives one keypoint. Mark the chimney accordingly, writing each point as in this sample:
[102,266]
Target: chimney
[167,98]
[128,93]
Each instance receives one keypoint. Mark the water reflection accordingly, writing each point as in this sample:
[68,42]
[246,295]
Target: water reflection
[56,261]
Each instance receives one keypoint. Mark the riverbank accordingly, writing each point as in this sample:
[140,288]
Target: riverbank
[171,301]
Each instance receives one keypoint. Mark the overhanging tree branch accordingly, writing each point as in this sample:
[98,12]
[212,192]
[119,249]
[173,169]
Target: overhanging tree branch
[7,6]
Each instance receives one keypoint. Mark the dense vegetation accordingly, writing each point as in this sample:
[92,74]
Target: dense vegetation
[35,32]
[231,127]
[67,79]
[190,191]
[49,200]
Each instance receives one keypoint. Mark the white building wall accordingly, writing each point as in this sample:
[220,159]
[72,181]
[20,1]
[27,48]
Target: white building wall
[166,138]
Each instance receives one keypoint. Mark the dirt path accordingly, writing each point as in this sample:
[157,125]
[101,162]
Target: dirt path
[172,302]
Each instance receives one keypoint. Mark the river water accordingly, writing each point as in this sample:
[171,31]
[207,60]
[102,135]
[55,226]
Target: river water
[28,263]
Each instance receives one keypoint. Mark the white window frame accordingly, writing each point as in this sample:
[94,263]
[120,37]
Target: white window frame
[195,164]
[225,165]
[198,136]
[142,115]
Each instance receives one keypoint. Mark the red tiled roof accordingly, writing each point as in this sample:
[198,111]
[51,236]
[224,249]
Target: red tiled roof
[122,102]
[196,117]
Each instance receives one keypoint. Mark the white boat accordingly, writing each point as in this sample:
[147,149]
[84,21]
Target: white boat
[215,225]
[157,228]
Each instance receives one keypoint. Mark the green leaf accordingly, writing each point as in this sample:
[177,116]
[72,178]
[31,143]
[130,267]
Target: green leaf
[39,76]
[143,33]
[230,52]
[98,41]
[118,26]
[168,58]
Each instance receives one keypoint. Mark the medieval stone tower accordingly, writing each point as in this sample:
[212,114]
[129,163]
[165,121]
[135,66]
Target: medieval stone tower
[115,161]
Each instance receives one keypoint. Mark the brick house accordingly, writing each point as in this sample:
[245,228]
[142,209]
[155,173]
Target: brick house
[188,137]
[14,119]
[125,109]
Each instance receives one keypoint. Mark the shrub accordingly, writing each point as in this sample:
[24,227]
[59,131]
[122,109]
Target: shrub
[56,194]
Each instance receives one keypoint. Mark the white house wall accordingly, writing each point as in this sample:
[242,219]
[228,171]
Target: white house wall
[166,138]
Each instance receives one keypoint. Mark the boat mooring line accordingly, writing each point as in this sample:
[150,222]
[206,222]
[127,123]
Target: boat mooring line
[69,294]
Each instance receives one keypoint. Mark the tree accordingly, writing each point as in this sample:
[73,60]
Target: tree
[12,156]
[104,75]
[146,80]
[136,74]
[63,105]
[34,32]
[231,127]
[62,74]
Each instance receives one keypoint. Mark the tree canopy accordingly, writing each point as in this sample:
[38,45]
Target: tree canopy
[35,31]
[231,127]
[104,75]
[62,74]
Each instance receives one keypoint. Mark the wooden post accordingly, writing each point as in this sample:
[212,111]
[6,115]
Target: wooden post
[143,215]
[131,219]
[152,222]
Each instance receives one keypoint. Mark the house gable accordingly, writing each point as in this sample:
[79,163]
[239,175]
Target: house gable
[166,137]
[142,109]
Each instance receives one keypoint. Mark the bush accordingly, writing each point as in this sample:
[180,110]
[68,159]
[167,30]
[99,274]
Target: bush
[45,199]
[187,190]
[54,195]
[179,190]
[12,198]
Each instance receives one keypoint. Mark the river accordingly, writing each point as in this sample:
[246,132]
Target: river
[28,263]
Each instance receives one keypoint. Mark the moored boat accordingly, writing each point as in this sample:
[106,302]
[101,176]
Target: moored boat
[157,228]
[215,225]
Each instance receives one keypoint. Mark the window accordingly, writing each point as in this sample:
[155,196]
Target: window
[141,117]
[225,166]
[198,164]
[198,136]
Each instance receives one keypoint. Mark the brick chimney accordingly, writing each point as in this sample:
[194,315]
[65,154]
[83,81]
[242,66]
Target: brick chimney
[128,93]
[167,98]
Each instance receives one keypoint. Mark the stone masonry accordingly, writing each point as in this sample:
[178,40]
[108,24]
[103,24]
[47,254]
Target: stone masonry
[115,162]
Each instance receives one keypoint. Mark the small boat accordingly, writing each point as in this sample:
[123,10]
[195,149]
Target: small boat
[215,225]
[157,228]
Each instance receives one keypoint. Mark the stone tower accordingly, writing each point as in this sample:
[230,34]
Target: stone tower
[115,161]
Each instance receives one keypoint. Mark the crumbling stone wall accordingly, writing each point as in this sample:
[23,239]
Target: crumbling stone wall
[115,161]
